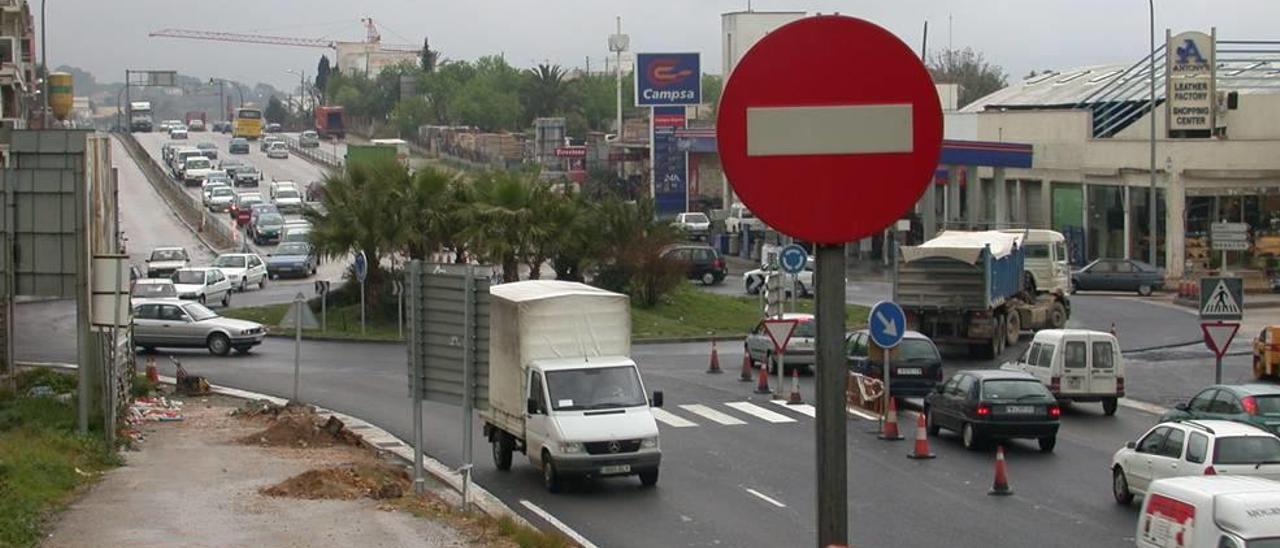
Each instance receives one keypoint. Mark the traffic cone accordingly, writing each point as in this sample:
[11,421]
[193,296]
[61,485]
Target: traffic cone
[153,374]
[1001,485]
[746,368]
[762,386]
[715,359]
[922,440]
[889,432]
[795,388]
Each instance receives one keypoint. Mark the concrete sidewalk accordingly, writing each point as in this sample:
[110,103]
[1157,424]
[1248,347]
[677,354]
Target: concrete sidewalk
[192,484]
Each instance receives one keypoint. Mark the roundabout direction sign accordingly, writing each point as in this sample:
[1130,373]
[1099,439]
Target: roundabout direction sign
[792,259]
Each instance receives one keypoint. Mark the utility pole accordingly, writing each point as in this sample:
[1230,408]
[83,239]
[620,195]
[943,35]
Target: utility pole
[618,43]
[44,61]
[1151,193]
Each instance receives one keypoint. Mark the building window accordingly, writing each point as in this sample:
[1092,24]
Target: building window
[1106,221]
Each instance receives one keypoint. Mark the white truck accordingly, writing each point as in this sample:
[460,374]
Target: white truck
[563,388]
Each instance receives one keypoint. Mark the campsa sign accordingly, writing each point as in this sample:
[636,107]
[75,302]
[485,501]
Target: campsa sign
[1191,89]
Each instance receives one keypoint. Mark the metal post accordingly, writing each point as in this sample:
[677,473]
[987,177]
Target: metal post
[468,379]
[617,69]
[400,309]
[1217,369]
[44,60]
[1151,196]
[415,362]
[298,303]
[324,307]
[362,308]
[830,424]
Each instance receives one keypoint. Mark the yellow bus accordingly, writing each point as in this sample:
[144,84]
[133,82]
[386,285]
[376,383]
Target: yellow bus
[247,123]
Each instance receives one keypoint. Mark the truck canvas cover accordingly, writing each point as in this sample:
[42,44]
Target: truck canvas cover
[964,246]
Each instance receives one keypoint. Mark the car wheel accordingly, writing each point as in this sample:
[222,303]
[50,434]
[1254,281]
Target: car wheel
[708,278]
[1144,290]
[1046,444]
[550,477]
[502,449]
[262,282]
[930,426]
[1120,487]
[219,344]
[244,284]
[969,437]
[649,478]
[226,299]
[202,300]
[1109,406]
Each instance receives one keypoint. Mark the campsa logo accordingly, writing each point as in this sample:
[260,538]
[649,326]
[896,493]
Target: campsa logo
[662,73]
[1188,51]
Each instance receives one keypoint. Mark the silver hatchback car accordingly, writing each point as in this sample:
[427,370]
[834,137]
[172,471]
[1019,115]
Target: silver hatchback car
[182,324]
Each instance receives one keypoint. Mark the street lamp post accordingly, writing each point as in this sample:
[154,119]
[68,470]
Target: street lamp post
[618,43]
[1151,194]
[302,90]
[44,61]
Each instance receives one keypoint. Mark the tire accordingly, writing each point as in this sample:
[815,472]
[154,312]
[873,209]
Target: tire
[996,346]
[969,437]
[1058,316]
[649,478]
[226,299]
[708,278]
[262,282]
[203,300]
[1120,487]
[1109,406]
[219,344]
[1075,288]
[1046,444]
[550,477]
[502,448]
[1013,329]
[930,427]
[1144,290]
[244,284]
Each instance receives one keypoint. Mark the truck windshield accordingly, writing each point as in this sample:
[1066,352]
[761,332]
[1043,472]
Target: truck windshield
[602,388]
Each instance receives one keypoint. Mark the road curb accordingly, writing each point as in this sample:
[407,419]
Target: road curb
[325,338]
[370,436]
[1162,347]
[676,340]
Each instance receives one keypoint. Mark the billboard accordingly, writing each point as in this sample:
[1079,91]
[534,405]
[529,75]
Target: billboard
[1191,67]
[670,163]
[664,79]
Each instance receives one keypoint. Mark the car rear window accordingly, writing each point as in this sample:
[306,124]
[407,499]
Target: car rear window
[154,290]
[1103,355]
[195,277]
[1268,405]
[1012,389]
[917,350]
[804,329]
[1246,450]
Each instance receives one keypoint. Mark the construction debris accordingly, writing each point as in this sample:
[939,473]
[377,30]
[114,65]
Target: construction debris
[302,430]
[347,482]
[154,409]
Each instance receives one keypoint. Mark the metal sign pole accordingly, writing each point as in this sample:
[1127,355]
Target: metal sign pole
[362,307]
[1217,369]
[415,382]
[400,309]
[298,302]
[468,379]
[324,307]
[887,386]
[831,426]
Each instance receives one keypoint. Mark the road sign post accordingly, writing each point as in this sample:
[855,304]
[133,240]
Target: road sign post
[1218,337]
[361,266]
[792,259]
[828,148]
[887,324]
[322,290]
[298,317]
[779,332]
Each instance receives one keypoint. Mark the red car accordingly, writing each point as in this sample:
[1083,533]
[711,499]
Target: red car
[242,208]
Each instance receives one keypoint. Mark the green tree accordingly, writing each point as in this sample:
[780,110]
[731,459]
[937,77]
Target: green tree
[499,222]
[631,260]
[430,215]
[712,85]
[360,211]
[546,92]
[977,78]
[322,75]
[428,57]
[410,113]
[441,88]
[275,112]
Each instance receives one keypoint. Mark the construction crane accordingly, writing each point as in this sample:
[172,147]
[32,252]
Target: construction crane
[371,37]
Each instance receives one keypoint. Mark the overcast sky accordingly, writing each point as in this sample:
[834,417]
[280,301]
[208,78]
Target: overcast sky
[105,37]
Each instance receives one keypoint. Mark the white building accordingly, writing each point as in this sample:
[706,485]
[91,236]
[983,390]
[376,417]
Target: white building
[739,30]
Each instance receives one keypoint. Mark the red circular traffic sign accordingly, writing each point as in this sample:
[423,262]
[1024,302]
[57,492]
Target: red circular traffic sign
[829,129]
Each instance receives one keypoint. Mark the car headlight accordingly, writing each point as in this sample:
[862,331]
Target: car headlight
[248,331]
[649,443]
[572,448]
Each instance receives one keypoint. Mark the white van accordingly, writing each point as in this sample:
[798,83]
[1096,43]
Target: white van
[1046,260]
[1210,512]
[1076,365]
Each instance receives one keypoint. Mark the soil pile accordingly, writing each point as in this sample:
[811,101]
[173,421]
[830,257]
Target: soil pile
[347,482]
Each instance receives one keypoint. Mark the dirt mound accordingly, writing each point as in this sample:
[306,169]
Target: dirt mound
[264,408]
[347,482]
[302,430]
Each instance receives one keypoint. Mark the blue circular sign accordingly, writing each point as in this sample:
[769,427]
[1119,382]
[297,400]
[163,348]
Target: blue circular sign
[887,324]
[792,259]
[361,266]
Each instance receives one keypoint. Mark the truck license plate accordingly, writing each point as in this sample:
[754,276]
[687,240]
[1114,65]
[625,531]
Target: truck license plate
[916,371]
[1019,409]
[615,469]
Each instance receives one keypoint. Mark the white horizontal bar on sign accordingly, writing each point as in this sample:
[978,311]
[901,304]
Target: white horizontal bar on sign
[821,130]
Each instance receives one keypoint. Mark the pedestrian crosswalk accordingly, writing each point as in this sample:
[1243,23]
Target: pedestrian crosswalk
[734,413]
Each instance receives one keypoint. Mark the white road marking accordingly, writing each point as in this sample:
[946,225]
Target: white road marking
[665,417]
[712,414]
[759,412]
[803,408]
[862,414]
[1143,406]
[568,531]
[765,498]
[838,129]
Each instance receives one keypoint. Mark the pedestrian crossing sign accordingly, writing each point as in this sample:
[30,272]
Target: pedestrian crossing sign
[1221,299]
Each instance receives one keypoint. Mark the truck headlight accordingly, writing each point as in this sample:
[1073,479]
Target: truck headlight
[572,448]
[649,443]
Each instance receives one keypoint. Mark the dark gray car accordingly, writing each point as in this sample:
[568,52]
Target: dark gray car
[1118,275]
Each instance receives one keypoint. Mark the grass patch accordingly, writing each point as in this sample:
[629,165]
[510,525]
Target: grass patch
[42,459]
[690,312]
[482,529]
[343,322]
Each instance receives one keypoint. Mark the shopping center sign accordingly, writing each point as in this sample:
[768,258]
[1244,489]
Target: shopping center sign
[1191,68]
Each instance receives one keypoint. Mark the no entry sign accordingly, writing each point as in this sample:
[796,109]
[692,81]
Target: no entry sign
[829,129]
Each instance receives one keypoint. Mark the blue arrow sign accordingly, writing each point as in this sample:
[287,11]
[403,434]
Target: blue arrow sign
[887,324]
[361,266]
[792,259]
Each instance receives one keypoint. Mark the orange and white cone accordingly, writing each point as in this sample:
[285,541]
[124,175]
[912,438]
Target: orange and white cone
[746,368]
[762,386]
[922,440]
[715,359]
[889,431]
[1001,485]
[795,398]
[153,374]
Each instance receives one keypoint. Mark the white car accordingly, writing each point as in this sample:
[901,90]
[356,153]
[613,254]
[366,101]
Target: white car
[799,349]
[242,270]
[753,280]
[278,150]
[287,200]
[219,198]
[309,139]
[195,170]
[164,261]
[1193,448]
[694,225]
[207,285]
[152,288]
[178,133]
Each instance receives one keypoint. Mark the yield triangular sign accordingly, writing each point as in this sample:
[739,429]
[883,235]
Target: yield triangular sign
[1218,336]
[779,332]
[299,312]
[1221,302]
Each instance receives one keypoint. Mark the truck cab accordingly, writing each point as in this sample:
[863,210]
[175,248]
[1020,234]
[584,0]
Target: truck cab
[1045,260]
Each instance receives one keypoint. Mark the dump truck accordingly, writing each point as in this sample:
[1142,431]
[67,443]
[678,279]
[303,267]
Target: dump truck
[971,288]
[563,388]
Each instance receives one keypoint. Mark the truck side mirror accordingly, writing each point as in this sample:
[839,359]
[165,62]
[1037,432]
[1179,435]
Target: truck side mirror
[531,406]
[657,399]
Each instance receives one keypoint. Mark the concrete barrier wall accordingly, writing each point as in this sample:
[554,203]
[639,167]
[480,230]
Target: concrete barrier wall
[217,235]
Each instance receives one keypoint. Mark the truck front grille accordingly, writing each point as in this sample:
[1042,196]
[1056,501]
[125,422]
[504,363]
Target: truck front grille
[618,447]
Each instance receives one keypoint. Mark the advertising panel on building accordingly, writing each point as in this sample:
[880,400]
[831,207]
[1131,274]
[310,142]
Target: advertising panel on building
[664,79]
[1191,65]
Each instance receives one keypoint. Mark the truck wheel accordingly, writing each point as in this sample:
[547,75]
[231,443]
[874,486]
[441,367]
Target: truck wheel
[1058,316]
[649,478]
[550,477]
[1013,328]
[1109,406]
[502,448]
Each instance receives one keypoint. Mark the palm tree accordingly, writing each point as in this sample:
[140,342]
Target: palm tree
[499,223]
[546,92]
[360,212]
[429,213]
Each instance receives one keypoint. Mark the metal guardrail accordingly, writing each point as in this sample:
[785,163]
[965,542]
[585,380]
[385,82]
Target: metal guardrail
[315,154]
[190,210]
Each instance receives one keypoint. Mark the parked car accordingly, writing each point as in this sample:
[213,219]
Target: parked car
[740,218]
[1210,511]
[309,139]
[292,259]
[694,225]
[219,197]
[242,207]
[207,285]
[799,349]
[1118,275]
[278,150]
[238,145]
[702,262]
[753,280]
[191,325]
[152,288]
[242,270]
[209,150]
[1266,353]
[178,133]
[1255,403]
[993,404]
[1076,365]
[266,228]
[164,261]
[1193,448]
[916,363]
[248,175]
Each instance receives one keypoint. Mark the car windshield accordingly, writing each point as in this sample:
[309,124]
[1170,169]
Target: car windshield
[195,163]
[1012,389]
[804,329]
[695,218]
[154,291]
[292,249]
[239,141]
[206,146]
[250,199]
[271,219]
[277,145]
[230,261]
[247,170]
[199,312]
[917,350]
[169,255]
[222,191]
[192,277]
[287,193]
[599,388]
[1246,450]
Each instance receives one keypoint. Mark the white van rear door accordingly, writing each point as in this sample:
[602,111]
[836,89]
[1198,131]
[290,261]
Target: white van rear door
[1103,368]
[1075,365]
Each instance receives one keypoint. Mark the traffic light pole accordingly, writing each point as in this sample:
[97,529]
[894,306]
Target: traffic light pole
[833,487]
